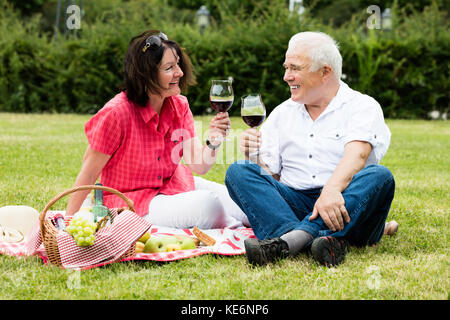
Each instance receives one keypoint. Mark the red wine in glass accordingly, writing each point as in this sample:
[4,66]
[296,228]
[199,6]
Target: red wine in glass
[254,120]
[219,104]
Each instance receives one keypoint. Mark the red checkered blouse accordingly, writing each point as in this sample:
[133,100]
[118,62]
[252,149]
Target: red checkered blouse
[145,149]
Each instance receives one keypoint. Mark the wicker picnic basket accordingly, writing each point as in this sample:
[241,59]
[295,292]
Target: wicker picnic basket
[49,230]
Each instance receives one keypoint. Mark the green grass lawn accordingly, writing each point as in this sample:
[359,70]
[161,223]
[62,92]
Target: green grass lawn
[40,156]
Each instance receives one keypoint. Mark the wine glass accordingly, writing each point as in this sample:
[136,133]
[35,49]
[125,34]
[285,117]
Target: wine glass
[221,96]
[253,112]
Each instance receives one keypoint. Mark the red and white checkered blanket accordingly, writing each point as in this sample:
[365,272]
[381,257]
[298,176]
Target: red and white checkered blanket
[228,242]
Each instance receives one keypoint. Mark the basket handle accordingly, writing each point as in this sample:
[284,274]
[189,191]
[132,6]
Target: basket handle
[128,201]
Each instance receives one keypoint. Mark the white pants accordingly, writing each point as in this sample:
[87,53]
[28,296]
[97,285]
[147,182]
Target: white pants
[209,206]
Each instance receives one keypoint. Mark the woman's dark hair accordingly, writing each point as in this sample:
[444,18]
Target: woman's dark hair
[140,70]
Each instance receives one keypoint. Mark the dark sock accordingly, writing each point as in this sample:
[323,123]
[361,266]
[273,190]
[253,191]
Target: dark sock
[296,240]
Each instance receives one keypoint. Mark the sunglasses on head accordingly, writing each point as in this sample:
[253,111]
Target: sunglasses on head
[155,40]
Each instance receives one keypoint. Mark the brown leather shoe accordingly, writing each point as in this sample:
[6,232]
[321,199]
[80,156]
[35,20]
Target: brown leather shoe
[390,228]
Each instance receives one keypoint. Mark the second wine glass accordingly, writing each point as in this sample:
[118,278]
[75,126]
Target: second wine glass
[253,112]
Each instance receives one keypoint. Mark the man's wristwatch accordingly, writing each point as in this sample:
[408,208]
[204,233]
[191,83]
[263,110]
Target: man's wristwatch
[211,146]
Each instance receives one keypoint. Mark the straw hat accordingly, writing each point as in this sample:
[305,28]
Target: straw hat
[16,222]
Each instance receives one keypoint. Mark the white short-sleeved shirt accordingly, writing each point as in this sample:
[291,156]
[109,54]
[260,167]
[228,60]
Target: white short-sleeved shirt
[305,152]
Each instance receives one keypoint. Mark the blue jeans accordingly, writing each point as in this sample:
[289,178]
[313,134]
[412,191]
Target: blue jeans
[274,209]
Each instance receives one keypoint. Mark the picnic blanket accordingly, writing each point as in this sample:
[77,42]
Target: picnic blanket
[228,242]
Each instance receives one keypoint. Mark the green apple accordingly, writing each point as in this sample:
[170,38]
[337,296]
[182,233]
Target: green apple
[181,237]
[144,237]
[154,244]
[166,240]
[158,244]
[173,247]
[187,243]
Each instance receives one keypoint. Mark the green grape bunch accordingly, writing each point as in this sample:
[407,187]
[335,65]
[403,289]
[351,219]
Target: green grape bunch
[82,231]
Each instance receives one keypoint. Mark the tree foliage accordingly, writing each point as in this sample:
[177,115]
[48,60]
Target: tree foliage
[406,69]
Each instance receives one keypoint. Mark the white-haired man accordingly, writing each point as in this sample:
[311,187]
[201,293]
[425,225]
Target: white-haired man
[313,179]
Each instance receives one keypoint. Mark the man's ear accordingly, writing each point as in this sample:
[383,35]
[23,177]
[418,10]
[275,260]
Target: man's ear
[327,72]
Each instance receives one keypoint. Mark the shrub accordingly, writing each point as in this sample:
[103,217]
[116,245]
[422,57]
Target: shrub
[24,64]
[406,69]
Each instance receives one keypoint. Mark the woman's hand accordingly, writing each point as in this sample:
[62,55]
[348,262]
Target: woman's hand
[219,127]
[197,156]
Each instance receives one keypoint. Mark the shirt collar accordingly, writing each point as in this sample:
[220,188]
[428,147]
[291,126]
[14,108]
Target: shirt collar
[343,95]
[148,112]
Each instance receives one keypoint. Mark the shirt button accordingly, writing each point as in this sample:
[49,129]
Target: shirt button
[310,156]
[159,177]
[159,158]
[314,177]
[311,135]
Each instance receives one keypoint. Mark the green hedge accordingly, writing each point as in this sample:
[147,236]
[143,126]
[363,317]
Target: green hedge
[406,70]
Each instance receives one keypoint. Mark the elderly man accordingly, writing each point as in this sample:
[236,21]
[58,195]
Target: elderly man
[311,175]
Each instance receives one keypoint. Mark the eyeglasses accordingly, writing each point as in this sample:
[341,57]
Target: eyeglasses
[154,40]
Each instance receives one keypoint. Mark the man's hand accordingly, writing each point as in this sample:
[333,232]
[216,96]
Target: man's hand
[331,204]
[331,208]
[249,142]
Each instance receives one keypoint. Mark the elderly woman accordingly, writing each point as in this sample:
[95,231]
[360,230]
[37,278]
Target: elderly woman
[138,139]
